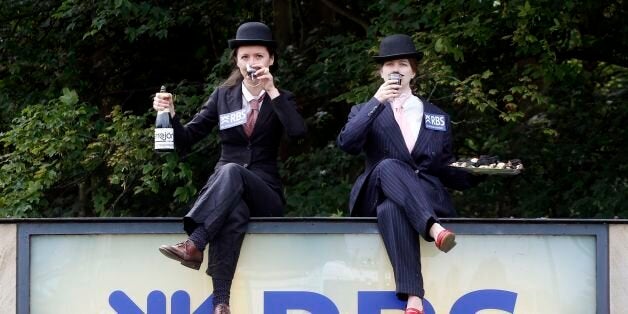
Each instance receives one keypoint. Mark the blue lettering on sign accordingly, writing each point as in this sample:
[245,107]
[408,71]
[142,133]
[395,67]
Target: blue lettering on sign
[488,299]
[156,303]
[435,122]
[373,302]
[279,302]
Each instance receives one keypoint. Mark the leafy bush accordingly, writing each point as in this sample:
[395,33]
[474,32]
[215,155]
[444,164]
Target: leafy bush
[541,81]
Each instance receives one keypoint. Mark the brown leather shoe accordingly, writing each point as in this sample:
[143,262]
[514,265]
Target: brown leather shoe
[222,309]
[184,252]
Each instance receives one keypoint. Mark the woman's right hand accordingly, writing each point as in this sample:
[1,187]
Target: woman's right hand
[387,91]
[163,102]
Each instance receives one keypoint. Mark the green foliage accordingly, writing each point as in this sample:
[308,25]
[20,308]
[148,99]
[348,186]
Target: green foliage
[44,151]
[59,149]
[543,81]
[319,182]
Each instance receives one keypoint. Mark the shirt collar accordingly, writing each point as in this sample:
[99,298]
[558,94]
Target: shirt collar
[248,96]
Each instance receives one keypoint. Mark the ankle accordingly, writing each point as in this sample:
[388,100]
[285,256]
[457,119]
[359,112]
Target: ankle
[222,289]
[415,303]
[435,230]
[199,238]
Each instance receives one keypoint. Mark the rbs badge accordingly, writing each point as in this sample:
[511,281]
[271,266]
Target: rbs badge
[231,119]
[435,122]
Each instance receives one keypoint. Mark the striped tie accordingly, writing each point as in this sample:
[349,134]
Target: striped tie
[250,121]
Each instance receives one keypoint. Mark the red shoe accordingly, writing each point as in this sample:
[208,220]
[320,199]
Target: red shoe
[184,252]
[445,241]
[412,310]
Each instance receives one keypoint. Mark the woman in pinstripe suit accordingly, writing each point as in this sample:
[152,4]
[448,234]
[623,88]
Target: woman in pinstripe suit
[408,146]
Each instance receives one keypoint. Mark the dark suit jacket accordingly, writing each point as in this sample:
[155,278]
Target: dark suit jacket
[258,153]
[372,129]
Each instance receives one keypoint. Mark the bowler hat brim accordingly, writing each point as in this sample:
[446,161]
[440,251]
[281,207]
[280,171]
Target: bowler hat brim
[414,55]
[235,43]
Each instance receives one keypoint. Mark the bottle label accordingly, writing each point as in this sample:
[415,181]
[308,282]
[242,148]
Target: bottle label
[164,138]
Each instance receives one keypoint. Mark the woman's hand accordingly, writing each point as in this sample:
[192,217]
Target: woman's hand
[387,91]
[163,102]
[266,78]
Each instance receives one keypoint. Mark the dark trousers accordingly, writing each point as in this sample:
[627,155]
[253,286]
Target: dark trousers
[403,213]
[231,196]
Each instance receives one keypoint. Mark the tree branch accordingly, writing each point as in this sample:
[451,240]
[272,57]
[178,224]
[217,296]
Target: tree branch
[346,13]
[125,190]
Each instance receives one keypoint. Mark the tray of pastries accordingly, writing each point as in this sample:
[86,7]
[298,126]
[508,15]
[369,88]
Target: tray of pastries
[490,165]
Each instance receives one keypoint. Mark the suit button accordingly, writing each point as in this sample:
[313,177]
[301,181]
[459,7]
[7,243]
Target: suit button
[416,171]
[248,147]
[245,165]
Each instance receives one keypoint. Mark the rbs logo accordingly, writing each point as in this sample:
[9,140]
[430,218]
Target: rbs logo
[435,122]
[279,302]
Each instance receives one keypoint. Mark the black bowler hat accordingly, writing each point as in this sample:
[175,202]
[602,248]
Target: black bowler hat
[253,33]
[397,46]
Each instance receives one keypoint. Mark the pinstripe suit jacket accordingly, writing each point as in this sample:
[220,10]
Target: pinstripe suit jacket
[372,129]
[257,153]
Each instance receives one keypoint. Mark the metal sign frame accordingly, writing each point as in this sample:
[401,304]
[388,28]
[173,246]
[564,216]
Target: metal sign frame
[91,226]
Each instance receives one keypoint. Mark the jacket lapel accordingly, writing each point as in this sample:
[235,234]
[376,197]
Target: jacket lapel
[395,135]
[422,140]
[234,103]
[424,133]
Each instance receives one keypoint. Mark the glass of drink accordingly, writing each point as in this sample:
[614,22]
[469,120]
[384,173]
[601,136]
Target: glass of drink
[395,76]
[251,72]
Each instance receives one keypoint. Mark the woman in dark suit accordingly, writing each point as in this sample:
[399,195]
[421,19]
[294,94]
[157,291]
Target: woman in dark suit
[252,115]
[408,146]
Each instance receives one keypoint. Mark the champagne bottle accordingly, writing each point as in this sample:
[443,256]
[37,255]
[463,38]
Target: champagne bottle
[164,133]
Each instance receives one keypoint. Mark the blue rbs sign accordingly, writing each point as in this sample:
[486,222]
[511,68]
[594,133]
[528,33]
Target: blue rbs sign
[279,302]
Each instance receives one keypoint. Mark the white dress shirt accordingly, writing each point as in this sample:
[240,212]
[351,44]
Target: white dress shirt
[412,113]
[247,96]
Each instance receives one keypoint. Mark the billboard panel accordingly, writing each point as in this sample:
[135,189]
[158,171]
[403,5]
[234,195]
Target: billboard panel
[317,273]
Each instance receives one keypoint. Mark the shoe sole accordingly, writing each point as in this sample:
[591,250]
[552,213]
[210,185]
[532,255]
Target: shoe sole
[448,243]
[168,254]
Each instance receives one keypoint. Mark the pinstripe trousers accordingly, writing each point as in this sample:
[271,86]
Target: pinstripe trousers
[231,196]
[403,212]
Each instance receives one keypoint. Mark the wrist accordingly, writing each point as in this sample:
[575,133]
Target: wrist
[273,93]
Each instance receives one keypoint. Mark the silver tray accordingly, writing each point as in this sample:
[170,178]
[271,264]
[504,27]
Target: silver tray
[490,171]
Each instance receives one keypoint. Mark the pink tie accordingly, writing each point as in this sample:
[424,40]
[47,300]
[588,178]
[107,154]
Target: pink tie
[403,125]
[250,120]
